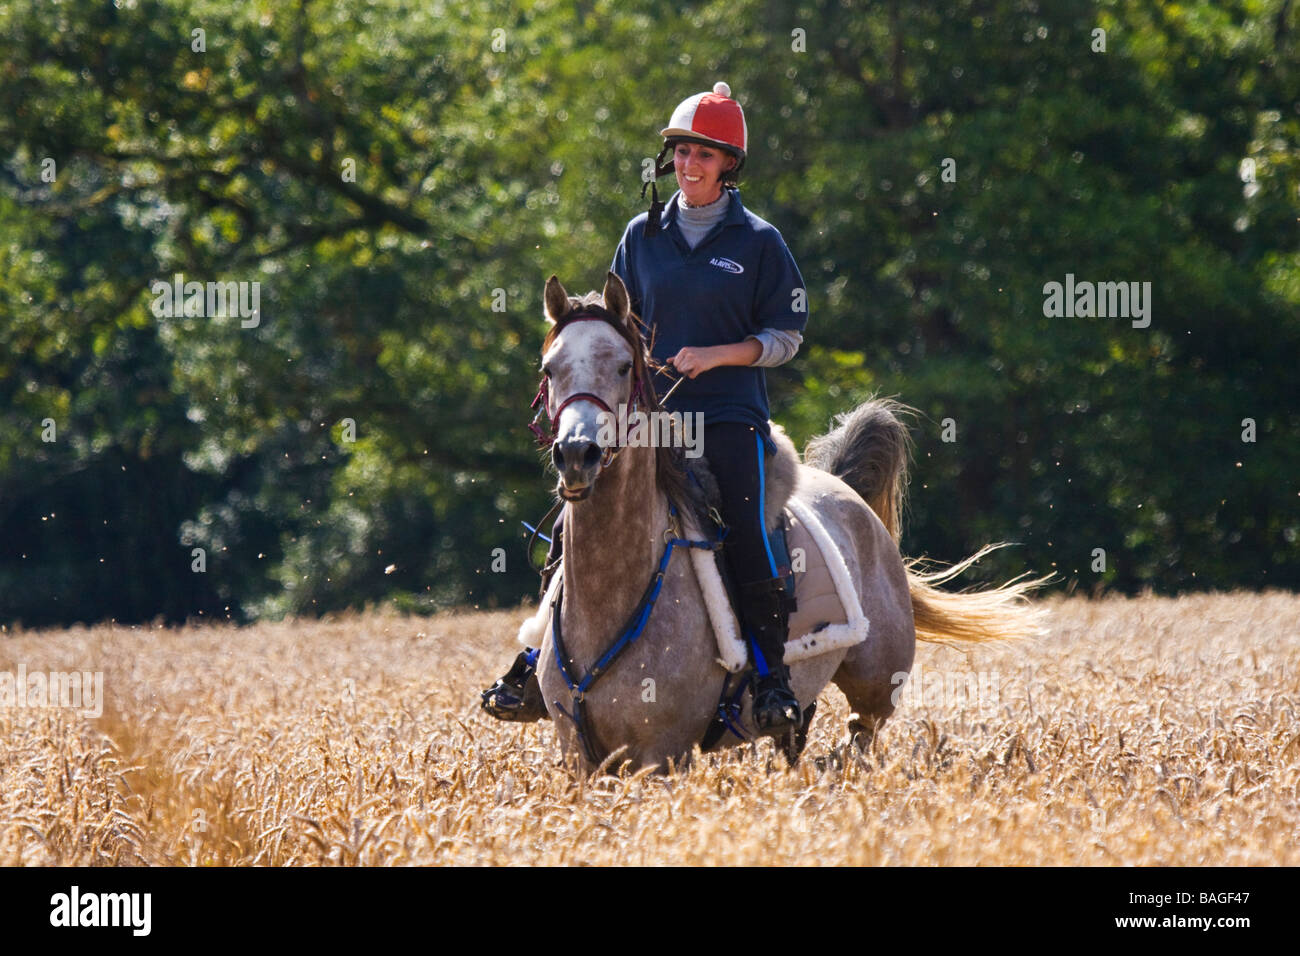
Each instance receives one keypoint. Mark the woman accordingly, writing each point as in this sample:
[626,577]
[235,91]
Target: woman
[724,299]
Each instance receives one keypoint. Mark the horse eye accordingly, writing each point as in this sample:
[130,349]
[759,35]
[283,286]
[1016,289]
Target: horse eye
[624,368]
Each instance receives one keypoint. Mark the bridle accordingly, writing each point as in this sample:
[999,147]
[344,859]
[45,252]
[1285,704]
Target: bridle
[586,313]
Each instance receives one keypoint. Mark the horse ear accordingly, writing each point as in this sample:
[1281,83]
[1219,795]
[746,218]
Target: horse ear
[615,296]
[557,300]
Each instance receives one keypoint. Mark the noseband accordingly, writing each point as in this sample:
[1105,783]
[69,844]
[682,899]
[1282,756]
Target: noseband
[587,313]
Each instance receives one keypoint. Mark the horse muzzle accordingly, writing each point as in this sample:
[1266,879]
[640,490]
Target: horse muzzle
[578,461]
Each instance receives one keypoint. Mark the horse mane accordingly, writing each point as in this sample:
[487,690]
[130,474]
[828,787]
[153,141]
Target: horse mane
[670,462]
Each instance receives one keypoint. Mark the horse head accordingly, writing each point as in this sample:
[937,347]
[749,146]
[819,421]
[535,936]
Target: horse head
[594,367]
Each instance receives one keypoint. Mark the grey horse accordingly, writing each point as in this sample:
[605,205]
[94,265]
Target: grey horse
[656,701]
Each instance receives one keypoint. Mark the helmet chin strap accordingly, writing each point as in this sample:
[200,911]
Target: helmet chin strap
[656,204]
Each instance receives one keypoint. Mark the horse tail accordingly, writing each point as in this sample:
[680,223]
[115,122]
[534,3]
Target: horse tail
[1002,613]
[870,449]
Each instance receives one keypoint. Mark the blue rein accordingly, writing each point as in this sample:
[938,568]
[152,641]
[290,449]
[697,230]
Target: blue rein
[631,632]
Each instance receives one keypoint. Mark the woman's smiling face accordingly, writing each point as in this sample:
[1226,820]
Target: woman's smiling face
[699,168]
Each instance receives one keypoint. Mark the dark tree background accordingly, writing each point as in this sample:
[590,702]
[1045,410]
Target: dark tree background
[400,178]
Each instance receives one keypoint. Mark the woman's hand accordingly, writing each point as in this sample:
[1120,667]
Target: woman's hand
[692,361]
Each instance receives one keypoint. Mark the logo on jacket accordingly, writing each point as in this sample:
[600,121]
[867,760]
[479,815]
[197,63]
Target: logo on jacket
[727,264]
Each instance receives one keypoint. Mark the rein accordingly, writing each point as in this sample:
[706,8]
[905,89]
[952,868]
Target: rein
[631,632]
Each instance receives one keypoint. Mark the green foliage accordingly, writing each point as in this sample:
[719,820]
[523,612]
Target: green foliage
[495,145]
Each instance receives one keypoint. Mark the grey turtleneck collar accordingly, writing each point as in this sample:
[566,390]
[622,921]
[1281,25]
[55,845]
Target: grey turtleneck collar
[696,221]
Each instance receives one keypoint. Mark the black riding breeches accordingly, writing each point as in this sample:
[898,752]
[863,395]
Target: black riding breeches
[738,459]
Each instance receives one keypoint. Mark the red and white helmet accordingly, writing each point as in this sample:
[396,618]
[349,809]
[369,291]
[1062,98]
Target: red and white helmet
[712,118]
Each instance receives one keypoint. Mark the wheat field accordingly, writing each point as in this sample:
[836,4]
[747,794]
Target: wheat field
[1140,731]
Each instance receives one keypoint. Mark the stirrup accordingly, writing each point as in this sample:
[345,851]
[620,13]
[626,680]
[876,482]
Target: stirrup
[776,709]
[516,696]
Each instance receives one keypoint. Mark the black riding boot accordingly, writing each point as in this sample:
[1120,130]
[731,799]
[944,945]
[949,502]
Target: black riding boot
[517,696]
[766,612]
